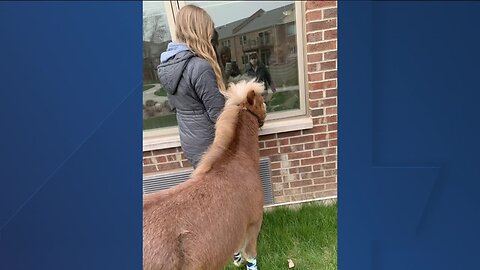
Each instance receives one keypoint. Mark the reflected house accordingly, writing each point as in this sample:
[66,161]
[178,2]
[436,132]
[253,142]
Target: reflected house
[271,34]
[151,59]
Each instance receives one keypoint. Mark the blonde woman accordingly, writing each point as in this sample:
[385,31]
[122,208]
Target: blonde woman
[190,73]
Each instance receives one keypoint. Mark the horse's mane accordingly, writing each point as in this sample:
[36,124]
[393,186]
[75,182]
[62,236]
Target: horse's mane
[235,95]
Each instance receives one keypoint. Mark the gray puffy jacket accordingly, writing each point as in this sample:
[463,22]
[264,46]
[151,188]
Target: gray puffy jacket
[193,93]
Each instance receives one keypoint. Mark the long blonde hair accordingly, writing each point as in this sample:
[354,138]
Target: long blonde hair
[195,28]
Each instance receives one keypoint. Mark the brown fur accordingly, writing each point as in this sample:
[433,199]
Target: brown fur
[200,223]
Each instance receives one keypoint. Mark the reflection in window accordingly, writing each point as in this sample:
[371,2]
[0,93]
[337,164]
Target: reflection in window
[266,29]
[156,36]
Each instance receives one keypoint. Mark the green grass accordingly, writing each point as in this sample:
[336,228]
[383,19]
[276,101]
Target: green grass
[307,236]
[282,101]
[147,86]
[161,92]
[160,121]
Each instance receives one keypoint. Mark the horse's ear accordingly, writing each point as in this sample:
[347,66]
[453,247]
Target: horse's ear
[251,97]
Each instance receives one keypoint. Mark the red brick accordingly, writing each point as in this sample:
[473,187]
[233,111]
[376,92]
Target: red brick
[316,145]
[315,160]
[324,180]
[331,186]
[312,175]
[313,67]
[305,169]
[283,142]
[314,103]
[332,135]
[161,159]
[330,56]
[276,172]
[323,85]
[293,170]
[328,65]
[331,158]
[147,153]
[317,57]
[275,165]
[331,74]
[186,164]
[271,144]
[315,76]
[313,16]
[164,151]
[278,193]
[299,197]
[268,152]
[289,134]
[261,145]
[319,4]
[329,102]
[328,166]
[330,172]
[332,143]
[294,163]
[291,148]
[330,34]
[275,158]
[331,110]
[316,95]
[330,13]
[320,137]
[313,188]
[267,137]
[316,112]
[326,193]
[171,158]
[301,139]
[315,129]
[322,46]
[315,37]
[331,93]
[332,119]
[293,191]
[298,155]
[301,183]
[149,169]
[147,161]
[276,179]
[169,166]
[332,127]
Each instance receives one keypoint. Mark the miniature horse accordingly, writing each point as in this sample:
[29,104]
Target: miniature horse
[217,213]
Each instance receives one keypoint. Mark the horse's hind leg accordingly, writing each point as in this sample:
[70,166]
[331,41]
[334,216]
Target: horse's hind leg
[251,245]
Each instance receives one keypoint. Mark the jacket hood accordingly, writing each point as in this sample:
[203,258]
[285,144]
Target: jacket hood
[173,62]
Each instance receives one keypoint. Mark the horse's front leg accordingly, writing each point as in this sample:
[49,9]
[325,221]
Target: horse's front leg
[251,246]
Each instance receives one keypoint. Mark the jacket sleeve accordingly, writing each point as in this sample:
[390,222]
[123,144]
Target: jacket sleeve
[207,90]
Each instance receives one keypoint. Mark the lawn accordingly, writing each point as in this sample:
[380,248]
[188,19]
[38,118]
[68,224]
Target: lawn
[281,101]
[147,86]
[160,121]
[307,236]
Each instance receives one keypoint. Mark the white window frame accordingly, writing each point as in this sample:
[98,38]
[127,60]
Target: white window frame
[282,121]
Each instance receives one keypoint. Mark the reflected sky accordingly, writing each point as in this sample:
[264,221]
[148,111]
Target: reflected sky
[222,12]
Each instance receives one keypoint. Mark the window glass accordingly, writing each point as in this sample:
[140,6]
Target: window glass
[264,30]
[156,36]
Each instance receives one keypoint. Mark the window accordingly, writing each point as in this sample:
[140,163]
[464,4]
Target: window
[243,40]
[156,36]
[291,29]
[267,28]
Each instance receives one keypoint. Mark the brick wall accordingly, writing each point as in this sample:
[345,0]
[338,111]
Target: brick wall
[304,162]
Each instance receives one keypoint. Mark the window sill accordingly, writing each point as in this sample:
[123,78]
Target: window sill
[169,138]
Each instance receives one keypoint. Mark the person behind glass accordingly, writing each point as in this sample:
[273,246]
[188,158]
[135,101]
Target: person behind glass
[258,70]
[230,68]
[190,73]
